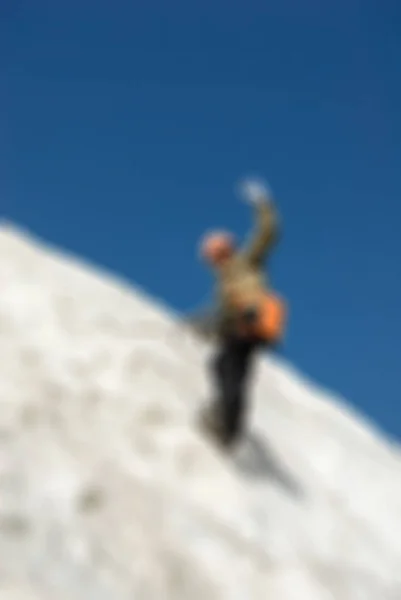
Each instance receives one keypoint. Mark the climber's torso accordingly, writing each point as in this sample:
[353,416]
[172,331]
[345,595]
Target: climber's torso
[247,304]
[240,283]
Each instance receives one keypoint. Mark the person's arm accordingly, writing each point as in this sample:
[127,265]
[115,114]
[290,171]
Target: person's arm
[266,231]
[204,322]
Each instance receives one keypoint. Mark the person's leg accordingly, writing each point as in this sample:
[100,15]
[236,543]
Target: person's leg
[231,373]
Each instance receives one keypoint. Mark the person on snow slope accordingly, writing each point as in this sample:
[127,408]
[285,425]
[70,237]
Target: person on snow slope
[250,316]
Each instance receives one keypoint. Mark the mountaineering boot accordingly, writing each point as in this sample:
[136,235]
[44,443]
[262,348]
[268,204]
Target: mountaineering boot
[211,425]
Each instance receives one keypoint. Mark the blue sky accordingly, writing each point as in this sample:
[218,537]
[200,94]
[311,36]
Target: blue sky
[125,127]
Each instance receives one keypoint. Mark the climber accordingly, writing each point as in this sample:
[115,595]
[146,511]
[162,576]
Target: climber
[250,315]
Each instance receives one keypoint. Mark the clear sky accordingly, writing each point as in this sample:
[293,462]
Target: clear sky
[125,126]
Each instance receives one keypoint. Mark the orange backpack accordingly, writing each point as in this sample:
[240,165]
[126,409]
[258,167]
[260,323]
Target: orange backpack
[271,319]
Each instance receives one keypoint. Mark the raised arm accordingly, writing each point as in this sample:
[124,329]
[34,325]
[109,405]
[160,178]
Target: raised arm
[266,230]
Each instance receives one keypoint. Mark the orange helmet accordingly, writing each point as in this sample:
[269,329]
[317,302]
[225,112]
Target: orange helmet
[216,246]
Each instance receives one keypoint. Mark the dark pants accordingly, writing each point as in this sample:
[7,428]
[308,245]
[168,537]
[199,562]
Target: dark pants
[231,367]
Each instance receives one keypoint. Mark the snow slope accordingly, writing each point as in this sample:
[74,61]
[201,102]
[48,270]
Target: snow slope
[108,492]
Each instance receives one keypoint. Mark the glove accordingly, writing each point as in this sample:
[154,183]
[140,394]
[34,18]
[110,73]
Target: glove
[255,191]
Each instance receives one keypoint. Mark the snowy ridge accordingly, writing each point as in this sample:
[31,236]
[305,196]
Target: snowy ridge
[107,490]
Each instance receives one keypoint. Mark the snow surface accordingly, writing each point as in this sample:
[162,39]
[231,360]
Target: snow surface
[109,492]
